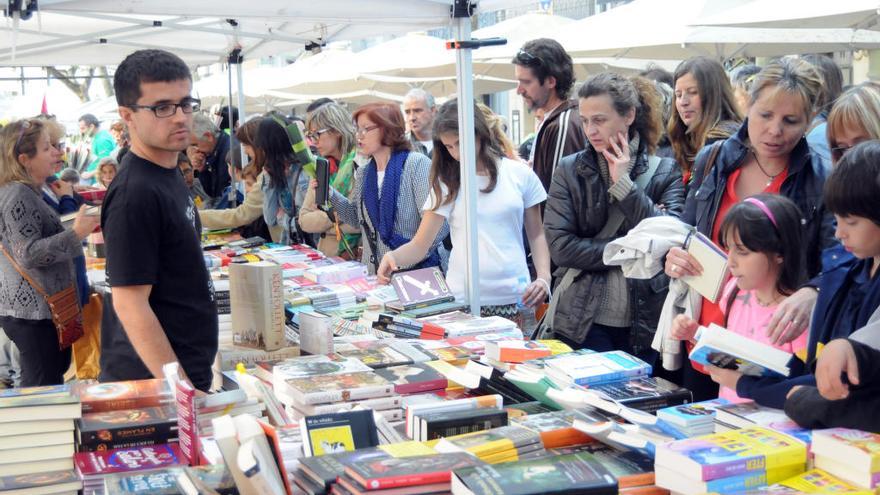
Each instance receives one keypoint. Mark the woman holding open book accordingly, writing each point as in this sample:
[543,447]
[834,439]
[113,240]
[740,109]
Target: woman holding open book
[769,154]
[37,251]
[596,196]
[509,200]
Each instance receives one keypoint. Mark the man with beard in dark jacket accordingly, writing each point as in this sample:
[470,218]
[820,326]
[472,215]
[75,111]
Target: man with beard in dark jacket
[545,75]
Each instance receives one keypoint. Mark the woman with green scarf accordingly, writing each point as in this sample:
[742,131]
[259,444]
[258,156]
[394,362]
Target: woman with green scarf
[331,130]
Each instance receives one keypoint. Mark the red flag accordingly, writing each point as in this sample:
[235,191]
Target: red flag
[44,108]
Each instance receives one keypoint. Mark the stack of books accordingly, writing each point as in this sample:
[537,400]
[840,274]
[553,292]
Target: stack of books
[555,428]
[417,413]
[568,473]
[593,369]
[338,273]
[646,393]
[729,461]
[634,471]
[852,455]
[516,351]
[320,384]
[692,420]
[748,413]
[36,430]
[383,353]
[93,467]
[498,445]
[101,431]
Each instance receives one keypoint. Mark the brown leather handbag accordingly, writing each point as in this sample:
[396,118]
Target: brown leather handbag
[64,305]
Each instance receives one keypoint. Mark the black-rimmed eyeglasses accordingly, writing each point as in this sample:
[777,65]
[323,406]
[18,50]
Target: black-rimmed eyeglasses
[165,110]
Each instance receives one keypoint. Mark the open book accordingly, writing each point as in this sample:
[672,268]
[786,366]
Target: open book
[721,347]
[714,262]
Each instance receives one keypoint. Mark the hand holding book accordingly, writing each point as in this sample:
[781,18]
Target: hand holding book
[680,264]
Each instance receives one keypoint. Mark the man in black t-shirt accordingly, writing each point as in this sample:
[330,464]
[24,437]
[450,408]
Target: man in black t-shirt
[161,291]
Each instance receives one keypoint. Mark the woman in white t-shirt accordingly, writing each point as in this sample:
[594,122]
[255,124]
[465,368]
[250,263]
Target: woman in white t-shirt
[509,197]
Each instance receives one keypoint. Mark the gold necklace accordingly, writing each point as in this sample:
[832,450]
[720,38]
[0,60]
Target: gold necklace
[770,178]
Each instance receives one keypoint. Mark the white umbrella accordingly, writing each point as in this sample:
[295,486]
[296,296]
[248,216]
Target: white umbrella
[859,14]
[214,89]
[517,30]
[651,29]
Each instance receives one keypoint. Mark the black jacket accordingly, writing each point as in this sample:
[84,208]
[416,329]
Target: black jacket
[577,209]
[859,410]
[806,177]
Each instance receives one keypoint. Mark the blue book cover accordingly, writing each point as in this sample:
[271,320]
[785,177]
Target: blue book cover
[693,414]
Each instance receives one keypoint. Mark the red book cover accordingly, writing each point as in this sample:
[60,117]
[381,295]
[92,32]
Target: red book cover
[127,460]
[395,472]
[114,396]
[413,378]
[275,445]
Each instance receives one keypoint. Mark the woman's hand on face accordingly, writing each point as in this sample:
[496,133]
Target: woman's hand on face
[387,266]
[792,317]
[617,156]
[679,263]
[84,224]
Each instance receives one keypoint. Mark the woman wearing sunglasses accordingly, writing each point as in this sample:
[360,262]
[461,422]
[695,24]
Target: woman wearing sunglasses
[388,193]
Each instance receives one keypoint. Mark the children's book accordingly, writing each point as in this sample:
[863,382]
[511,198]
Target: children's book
[720,347]
[731,453]
[338,432]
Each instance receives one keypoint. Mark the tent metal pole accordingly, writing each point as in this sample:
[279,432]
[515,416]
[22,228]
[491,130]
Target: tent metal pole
[242,116]
[464,73]
[232,182]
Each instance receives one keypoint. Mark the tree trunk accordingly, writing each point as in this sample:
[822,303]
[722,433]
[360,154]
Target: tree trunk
[106,81]
[69,78]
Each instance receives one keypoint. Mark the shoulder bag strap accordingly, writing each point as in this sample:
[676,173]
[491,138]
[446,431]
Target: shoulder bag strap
[612,224]
[23,273]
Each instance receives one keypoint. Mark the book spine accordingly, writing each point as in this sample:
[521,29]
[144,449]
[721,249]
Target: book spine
[403,480]
[442,429]
[187,423]
[369,392]
[612,376]
[378,404]
[95,406]
[652,404]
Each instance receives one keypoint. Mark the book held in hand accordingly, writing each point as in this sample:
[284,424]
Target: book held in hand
[720,347]
[714,263]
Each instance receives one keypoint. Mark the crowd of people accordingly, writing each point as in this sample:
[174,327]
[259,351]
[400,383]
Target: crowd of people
[779,165]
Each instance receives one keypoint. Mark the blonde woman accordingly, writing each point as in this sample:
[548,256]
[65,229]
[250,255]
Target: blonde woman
[332,131]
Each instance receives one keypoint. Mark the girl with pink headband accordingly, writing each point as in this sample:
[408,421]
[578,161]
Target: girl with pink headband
[764,240]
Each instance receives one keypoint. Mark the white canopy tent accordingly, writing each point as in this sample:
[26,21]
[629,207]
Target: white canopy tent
[195,29]
[650,29]
[335,72]
[855,14]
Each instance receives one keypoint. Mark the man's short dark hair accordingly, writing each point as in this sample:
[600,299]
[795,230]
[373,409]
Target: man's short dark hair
[89,119]
[146,66]
[853,188]
[659,74]
[546,57]
[320,102]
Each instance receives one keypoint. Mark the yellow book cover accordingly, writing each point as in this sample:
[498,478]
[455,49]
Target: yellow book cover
[506,456]
[408,449]
[556,346]
[818,481]
[331,440]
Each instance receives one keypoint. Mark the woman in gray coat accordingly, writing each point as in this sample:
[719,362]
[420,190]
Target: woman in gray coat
[32,235]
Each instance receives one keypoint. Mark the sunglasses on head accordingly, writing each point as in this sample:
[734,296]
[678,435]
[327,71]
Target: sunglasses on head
[527,59]
[25,125]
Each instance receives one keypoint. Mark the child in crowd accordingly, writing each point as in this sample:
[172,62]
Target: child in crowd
[233,162]
[846,315]
[107,169]
[196,191]
[764,240]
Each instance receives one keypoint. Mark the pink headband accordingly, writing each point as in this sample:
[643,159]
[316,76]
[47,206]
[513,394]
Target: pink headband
[760,204]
